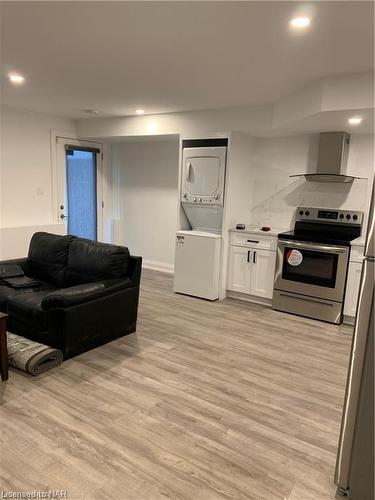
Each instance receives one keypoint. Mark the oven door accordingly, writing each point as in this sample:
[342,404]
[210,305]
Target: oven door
[312,269]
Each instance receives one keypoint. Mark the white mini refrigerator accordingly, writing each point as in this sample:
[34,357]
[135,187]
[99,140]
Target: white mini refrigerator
[197,264]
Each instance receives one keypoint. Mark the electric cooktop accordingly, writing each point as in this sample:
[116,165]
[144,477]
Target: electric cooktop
[327,226]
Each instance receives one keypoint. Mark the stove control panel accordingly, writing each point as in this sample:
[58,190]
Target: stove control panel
[329,215]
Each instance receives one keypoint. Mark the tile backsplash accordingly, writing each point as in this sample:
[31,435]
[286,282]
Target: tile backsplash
[275,195]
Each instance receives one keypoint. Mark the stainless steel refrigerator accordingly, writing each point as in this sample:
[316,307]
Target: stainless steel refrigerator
[354,474]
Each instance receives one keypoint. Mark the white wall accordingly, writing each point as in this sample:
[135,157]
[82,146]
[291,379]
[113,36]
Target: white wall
[275,196]
[146,175]
[322,105]
[188,123]
[26,176]
[240,179]
[26,166]
[238,191]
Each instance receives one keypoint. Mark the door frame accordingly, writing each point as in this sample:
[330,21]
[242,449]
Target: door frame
[58,142]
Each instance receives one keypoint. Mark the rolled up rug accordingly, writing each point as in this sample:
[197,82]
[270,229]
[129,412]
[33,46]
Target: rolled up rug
[31,356]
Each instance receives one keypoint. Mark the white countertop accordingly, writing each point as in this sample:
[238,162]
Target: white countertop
[360,241]
[274,231]
[205,234]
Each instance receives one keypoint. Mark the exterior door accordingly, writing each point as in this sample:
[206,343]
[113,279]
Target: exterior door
[262,273]
[79,187]
[239,276]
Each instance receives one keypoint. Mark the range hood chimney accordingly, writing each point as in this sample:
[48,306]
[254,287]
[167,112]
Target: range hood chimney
[332,159]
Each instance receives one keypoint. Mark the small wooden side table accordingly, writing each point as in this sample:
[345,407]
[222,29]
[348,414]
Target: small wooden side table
[3,347]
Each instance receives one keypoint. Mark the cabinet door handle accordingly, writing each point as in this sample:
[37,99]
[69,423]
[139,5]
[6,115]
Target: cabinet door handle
[252,241]
[254,259]
[248,256]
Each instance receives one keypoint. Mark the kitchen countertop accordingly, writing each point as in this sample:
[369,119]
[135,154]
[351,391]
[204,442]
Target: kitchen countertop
[360,241]
[274,231]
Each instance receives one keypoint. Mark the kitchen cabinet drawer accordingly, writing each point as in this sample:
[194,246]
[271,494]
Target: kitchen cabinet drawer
[254,240]
[356,254]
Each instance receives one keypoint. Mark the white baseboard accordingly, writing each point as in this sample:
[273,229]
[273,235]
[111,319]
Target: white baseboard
[158,266]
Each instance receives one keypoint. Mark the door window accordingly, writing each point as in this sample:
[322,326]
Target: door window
[310,266]
[81,181]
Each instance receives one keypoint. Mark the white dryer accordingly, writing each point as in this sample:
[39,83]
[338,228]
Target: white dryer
[203,179]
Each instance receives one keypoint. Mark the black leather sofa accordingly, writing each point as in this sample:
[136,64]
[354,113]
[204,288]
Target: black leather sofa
[87,293]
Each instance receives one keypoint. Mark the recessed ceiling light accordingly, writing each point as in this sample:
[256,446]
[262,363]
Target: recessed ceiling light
[140,111]
[16,78]
[300,22]
[355,120]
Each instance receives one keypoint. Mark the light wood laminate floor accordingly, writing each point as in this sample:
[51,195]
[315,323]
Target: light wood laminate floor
[208,400]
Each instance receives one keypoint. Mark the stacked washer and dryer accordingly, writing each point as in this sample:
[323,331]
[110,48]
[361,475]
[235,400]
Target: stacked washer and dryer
[198,250]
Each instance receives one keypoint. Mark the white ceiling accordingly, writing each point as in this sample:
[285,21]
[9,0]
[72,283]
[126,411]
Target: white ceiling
[175,56]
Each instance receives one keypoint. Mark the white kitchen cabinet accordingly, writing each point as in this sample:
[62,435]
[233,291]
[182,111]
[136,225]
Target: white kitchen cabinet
[262,273]
[251,269]
[239,274]
[352,288]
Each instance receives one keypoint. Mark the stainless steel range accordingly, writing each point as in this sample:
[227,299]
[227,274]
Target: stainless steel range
[312,263]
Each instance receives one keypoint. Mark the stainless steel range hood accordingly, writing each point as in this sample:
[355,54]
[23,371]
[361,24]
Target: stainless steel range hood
[332,159]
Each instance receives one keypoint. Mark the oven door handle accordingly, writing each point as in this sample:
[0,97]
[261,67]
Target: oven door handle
[314,246]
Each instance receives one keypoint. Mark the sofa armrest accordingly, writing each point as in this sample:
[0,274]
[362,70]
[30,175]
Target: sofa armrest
[23,262]
[18,262]
[135,269]
[66,297]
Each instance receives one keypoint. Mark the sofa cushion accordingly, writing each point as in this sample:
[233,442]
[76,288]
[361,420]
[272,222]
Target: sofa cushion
[90,261]
[48,256]
[6,293]
[27,308]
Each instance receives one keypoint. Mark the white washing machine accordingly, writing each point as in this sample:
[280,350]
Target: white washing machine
[197,264]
